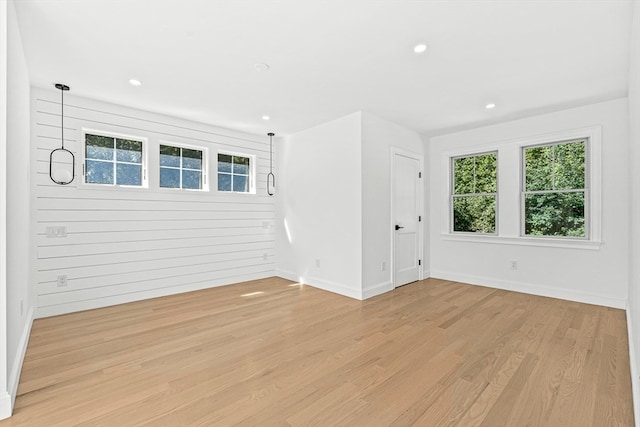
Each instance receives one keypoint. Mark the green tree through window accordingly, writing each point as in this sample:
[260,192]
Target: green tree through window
[113,161]
[474,193]
[554,189]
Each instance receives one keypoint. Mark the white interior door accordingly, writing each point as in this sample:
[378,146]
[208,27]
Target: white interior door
[406,217]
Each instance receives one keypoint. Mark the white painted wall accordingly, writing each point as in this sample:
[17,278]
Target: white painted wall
[595,276]
[319,206]
[130,244]
[633,308]
[5,398]
[15,256]
[334,204]
[378,136]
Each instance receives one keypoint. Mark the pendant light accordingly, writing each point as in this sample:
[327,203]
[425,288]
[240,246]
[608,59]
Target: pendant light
[61,157]
[271,178]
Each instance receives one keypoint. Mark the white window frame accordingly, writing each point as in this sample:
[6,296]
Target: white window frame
[509,160]
[205,163]
[252,172]
[145,158]
[585,190]
[452,194]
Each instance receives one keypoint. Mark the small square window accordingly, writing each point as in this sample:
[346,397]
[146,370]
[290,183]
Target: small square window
[182,167]
[234,173]
[110,160]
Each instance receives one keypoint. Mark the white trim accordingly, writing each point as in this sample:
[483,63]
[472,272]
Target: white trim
[288,275]
[420,202]
[533,289]
[378,289]
[55,310]
[206,178]
[253,171]
[92,185]
[326,285]
[593,133]
[524,241]
[14,376]
[336,288]
[5,405]
[452,196]
[635,378]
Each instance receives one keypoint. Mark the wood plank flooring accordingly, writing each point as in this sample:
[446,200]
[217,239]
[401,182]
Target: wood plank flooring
[274,353]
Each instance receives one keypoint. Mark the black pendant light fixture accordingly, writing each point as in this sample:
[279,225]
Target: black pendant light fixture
[61,157]
[271,178]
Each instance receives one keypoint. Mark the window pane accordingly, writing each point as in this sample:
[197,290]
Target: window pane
[191,159]
[538,168]
[241,165]
[99,147]
[99,172]
[128,174]
[224,163]
[169,156]
[556,214]
[240,183]
[169,178]
[224,182]
[569,166]
[191,179]
[463,175]
[474,214]
[128,151]
[486,173]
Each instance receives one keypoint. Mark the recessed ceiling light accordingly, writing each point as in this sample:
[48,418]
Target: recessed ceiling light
[490,106]
[265,117]
[261,67]
[419,48]
[135,82]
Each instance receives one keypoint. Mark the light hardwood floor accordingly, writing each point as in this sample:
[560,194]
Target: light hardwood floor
[273,353]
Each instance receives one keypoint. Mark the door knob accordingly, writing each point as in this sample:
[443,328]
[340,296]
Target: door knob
[398,227]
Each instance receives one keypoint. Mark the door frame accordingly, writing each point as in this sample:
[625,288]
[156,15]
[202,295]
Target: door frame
[397,151]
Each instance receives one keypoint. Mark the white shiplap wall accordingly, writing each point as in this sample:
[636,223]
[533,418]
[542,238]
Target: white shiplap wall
[126,244]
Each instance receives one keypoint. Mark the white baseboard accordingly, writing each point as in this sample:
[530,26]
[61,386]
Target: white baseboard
[14,375]
[5,405]
[336,288]
[288,275]
[532,289]
[91,304]
[378,289]
[633,365]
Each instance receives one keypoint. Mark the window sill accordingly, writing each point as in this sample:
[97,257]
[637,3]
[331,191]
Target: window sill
[525,241]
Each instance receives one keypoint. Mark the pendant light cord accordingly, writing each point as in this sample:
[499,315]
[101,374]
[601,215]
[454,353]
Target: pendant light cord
[271,178]
[62,115]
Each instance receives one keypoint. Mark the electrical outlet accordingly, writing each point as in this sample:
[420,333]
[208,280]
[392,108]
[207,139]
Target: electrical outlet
[21,307]
[62,280]
[56,231]
[383,266]
[317,262]
[264,256]
[514,265]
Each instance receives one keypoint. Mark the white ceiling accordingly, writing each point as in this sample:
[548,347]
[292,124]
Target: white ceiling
[330,58]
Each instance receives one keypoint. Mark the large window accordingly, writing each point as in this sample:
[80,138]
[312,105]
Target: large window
[182,167]
[555,189]
[234,173]
[110,160]
[474,193]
